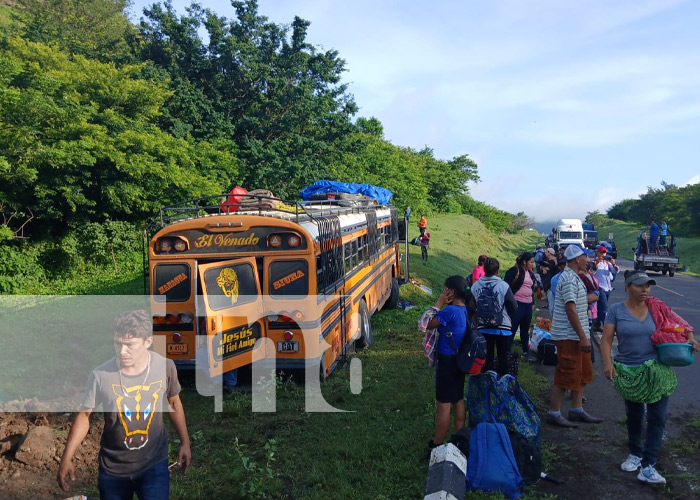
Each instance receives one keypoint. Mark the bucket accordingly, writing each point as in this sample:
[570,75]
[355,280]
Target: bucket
[675,354]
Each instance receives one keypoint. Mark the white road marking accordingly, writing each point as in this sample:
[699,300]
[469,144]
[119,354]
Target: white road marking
[672,291]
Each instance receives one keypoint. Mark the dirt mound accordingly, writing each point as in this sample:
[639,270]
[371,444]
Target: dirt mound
[31,445]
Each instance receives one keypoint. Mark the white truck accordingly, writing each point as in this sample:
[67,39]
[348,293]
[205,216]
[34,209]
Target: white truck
[568,232]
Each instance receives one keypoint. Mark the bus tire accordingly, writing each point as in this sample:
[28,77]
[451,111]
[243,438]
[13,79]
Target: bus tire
[322,370]
[393,301]
[365,339]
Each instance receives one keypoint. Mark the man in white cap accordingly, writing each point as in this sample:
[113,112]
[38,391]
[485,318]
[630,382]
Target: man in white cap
[571,335]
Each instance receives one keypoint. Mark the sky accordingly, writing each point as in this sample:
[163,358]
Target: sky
[566,106]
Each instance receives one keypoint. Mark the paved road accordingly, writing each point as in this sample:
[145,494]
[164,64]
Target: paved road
[682,293]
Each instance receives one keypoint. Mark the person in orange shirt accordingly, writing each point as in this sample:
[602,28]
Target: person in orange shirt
[422,223]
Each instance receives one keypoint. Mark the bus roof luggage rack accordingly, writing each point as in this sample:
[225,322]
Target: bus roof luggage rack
[253,204]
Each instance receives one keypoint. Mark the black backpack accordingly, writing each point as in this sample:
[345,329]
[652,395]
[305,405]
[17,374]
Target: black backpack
[528,456]
[547,352]
[489,312]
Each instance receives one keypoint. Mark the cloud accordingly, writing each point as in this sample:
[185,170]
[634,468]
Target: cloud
[693,180]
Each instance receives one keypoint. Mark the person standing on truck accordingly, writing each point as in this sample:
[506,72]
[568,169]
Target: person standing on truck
[131,389]
[653,235]
[662,233]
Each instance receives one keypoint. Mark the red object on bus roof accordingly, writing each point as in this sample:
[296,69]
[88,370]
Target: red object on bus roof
[233,200]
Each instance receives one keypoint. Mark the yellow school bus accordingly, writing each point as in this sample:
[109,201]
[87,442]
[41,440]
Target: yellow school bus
[307,276]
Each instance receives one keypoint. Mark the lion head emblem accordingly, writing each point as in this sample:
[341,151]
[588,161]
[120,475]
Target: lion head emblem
[228,282]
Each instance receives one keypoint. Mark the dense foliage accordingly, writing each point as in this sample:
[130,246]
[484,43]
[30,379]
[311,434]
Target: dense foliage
[104,121]
[679,207]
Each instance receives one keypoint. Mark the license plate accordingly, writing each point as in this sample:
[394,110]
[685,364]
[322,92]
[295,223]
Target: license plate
[177,348]
[285,346]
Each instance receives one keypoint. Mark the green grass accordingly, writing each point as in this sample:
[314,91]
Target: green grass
[626,234]
[371,450]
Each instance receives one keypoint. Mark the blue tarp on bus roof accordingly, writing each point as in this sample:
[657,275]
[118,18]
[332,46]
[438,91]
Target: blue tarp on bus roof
[382,195]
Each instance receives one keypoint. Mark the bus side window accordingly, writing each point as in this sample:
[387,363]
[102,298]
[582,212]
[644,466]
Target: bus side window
[348,257]
[362,248]
[354,254]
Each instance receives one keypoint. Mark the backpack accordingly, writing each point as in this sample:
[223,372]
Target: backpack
[489,311]
[547,352]
[471,354]
[492,465]
[528,457]
[415,241]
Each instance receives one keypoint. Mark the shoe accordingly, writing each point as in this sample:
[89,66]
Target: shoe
[559,421]
[631,463]
[582,416]
[529,357]
[584,399]
[649,474]
[429,452]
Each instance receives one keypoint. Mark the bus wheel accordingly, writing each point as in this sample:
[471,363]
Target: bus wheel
[393,301]
[365,339]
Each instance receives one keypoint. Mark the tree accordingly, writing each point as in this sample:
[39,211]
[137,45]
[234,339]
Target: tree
[79,143]
[97,29]
[274,94]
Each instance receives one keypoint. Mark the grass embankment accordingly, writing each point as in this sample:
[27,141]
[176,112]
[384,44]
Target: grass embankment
[373,449]
[688,249]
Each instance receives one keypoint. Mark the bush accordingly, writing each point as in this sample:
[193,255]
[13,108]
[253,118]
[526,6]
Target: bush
[18,264]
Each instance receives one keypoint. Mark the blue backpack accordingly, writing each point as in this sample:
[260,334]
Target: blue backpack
[491,465]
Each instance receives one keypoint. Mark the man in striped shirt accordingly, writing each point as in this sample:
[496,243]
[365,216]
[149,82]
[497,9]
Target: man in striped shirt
[571,335]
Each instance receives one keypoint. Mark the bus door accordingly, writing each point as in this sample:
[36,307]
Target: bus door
[233,304]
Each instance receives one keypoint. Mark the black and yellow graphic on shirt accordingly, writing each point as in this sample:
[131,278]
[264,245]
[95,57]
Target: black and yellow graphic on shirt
[136,406]
[228,282]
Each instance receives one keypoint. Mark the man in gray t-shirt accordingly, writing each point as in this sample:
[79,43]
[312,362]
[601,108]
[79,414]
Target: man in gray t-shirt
[131,389]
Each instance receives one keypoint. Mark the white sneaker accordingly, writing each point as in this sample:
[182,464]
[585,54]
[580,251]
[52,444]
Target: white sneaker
[649,475]
[631,463]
